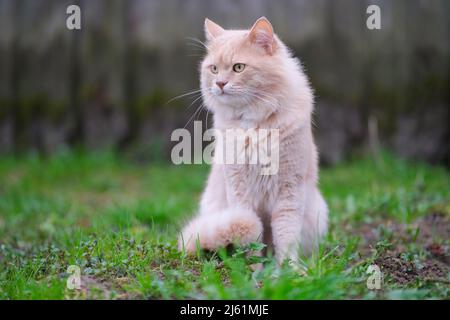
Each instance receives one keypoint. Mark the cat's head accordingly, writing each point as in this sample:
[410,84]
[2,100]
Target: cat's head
[243,70]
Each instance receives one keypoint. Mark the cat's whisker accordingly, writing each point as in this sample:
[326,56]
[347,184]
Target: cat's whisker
[272,104]
[193,102]
[190,119]
[184,95]
[276,104]
[198,41]
[262,93]
[195,112]
[202,107]
[207,114]
[196,46]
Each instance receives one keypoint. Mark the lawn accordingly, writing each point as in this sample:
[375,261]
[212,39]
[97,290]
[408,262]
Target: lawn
[117,220]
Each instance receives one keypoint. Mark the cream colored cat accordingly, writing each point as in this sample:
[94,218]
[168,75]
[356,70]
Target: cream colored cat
[249,79]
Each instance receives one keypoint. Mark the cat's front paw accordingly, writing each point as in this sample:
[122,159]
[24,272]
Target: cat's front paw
[213,231]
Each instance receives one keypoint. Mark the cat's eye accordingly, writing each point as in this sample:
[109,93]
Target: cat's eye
[238,67]
[214,69]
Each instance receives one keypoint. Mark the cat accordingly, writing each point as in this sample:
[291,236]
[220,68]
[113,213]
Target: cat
[250,79]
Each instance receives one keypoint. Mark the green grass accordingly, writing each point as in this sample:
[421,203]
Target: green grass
[118,222]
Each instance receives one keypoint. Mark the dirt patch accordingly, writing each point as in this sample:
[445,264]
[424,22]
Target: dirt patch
[426,231]
[388,241]
[402,271]
[434,225]
[439,251]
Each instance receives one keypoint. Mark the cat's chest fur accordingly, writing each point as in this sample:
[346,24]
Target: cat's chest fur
[245,181]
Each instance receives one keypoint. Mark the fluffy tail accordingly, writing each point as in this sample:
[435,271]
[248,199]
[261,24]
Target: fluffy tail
[221,229]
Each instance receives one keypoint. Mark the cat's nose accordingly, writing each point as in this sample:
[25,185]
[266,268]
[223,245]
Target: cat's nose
[221,84]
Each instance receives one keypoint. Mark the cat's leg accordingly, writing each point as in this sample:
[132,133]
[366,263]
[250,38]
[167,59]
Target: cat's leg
[298,223]
[286,223]
[315,221]
[239,224]
[214,197]
[212,202]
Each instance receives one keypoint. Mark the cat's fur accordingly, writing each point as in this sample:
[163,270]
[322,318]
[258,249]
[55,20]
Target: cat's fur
[239,205]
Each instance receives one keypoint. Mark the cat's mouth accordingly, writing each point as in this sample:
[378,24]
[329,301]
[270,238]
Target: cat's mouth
[220,93]
[227,97]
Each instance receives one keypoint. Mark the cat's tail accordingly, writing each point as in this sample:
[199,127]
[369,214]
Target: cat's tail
[216,230]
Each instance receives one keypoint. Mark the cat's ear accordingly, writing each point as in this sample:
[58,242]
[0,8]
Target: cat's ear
[262,34]
[212,30]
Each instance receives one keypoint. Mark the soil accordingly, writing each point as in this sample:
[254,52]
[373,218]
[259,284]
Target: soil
[430,232]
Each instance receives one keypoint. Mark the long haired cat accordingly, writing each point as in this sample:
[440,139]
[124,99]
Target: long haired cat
[249,79]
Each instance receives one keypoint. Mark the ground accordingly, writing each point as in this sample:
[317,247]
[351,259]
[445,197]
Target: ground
[117,220]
